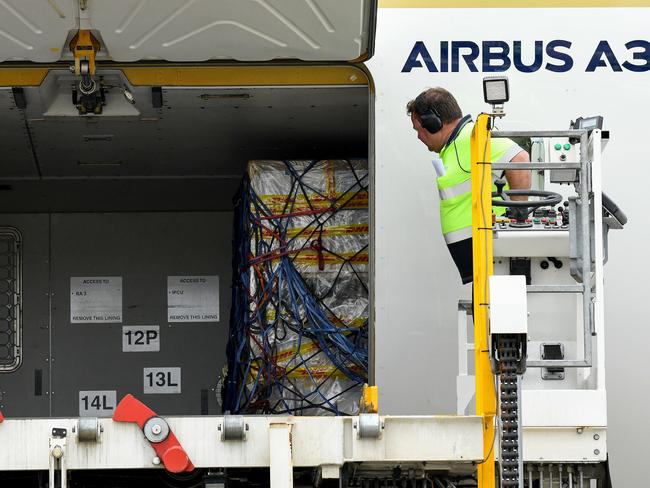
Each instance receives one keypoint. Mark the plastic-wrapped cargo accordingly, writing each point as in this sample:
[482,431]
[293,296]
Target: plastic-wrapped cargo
[299,322]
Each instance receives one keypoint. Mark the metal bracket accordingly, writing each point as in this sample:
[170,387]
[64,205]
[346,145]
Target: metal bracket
[233,428]
[58,443]
[369,426]
[84,46]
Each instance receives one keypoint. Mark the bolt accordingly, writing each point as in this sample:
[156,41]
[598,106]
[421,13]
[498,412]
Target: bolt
[596,437]
[580,430]
[156,429]
[57,451]
[156,460]
[596,452]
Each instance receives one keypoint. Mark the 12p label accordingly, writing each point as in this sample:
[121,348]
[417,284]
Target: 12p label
[97,403]
[162,380]
[140,338]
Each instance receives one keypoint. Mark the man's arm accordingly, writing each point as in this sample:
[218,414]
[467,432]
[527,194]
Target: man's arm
[519,179]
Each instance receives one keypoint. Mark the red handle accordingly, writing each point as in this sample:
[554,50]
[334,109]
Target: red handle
[170,451]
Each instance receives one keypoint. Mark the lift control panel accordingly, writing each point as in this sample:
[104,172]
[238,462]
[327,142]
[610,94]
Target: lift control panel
[544,218]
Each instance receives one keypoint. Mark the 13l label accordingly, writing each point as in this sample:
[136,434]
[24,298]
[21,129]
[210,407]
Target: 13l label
[162,380]
[97,403]
[140,338]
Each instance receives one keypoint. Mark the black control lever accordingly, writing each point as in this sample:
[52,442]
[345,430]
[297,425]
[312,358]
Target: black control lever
[500,184]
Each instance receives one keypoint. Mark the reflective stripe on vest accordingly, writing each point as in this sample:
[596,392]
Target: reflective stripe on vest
[455,190]
[458,235]
[459,189]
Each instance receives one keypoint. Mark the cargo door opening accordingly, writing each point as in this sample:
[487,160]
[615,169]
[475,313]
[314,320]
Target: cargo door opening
[122,215]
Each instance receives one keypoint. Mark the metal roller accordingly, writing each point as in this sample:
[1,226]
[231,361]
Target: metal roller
[369,426]
[233,428]
[88,429]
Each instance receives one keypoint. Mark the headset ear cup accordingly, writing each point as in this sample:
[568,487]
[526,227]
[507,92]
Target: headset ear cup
[431,122]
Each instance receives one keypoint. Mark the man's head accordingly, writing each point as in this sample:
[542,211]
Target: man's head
[434,113]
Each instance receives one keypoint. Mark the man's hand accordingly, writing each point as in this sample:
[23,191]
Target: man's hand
[519,179]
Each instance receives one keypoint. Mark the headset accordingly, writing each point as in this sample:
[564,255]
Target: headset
[431,120]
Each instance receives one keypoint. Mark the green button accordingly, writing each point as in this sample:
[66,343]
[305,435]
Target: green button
[558,147]
[567,146]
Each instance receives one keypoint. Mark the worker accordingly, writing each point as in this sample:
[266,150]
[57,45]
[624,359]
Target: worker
[440,125]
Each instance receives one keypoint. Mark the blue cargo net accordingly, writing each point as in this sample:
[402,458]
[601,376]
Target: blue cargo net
[298,338]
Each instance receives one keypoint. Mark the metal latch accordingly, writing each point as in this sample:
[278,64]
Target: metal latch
[157,431]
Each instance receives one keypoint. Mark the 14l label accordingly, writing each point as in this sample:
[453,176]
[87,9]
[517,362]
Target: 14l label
[97,403]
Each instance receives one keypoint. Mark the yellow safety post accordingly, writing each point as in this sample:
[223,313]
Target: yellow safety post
[370,399]
[482,253]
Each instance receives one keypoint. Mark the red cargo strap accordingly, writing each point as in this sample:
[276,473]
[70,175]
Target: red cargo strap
[2,417]
[169,450]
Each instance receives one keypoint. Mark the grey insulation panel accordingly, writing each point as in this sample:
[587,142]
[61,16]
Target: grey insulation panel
[142,248]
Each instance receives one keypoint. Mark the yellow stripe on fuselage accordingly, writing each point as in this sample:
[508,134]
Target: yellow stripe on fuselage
[513,3]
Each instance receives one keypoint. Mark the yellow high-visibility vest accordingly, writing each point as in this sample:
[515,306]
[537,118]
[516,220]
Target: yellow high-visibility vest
[455,185]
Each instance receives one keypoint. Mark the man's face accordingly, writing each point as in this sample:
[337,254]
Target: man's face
[432,141]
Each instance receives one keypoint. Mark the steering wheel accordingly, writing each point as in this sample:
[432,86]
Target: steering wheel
[523,208]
